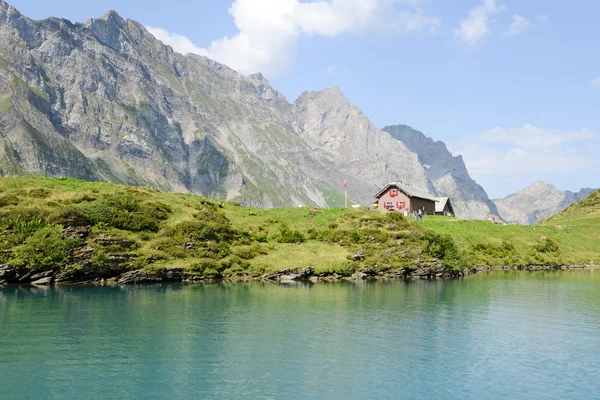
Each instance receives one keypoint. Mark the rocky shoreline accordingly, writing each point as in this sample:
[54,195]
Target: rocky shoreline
[14,276]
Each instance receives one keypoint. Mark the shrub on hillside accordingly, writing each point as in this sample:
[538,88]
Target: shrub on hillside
[444,248]
[203,230]
[287,235]
[494,254]
[40,193]
[47,249]
[23,221]
[547,246]
[126,212]
[8,200]
[207,267]
[397,219]
[70,217]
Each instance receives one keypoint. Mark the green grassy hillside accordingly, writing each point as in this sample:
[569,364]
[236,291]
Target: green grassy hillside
[586,211]
[69,225]
[574,235]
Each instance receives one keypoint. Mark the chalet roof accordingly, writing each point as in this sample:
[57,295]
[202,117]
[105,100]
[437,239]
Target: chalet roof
[409,190]
[440,204]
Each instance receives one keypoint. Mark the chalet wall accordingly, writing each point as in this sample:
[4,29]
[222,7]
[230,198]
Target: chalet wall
[412,203]
[387,197]
[418,204]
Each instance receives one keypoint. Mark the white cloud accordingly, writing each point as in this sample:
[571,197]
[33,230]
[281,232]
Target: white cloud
[476,26]
[518,26]
[543,18]
[531,137]
[595,83]
[515,157]
[330,70]
[178,42]
[269,29]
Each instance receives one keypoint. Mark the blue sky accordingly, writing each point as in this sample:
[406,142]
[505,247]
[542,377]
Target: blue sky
[513,86]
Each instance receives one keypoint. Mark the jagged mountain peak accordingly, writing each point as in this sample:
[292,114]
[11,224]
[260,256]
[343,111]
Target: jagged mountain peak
[267,91]
[111,15]
[416,139]
[9,12]
[333,92]
[109,21]
[539,184]
[258,77]
[4,6]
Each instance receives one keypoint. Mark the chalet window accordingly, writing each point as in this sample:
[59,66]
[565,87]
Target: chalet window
[400,205]
[389,204]
[394,192]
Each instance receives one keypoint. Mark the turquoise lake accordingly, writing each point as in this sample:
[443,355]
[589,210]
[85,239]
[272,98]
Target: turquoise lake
[505,335]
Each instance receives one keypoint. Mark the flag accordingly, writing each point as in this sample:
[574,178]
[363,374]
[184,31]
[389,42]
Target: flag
[345,183]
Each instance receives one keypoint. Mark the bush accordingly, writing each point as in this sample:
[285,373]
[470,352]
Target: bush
[397,219]
[287,235]
[204,230]
[444,248]
[260,237]
[40,193]
[249,252]
[376,235]
[355,237]
[329,235]
[160,210]
[70,217]
[231,261]
[47,249]
[547,246]
[343,269]
[207,266]
[8,200]
[99,260]
[126,212]
[23,221]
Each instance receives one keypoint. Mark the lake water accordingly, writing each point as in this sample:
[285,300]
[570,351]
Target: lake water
[531,335]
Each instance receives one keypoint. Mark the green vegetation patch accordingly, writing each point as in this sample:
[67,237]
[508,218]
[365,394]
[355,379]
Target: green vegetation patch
[67,224]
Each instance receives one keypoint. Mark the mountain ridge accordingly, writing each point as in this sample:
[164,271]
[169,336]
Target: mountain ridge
[106,100]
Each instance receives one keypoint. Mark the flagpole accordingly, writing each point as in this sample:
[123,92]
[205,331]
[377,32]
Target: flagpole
[345,198]
[345,193]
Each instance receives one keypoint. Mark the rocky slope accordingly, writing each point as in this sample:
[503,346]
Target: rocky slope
[538,201]
[447,174]
[105,100]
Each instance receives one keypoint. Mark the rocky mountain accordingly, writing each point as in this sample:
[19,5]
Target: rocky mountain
[447,174]
[538,201]
[105,100]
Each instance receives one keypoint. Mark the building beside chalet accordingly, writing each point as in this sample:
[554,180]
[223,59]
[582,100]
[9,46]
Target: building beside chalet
[399,197]
[443,206]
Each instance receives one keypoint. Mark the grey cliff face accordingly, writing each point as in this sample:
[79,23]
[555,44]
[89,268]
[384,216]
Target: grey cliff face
[105,100]
[447,174]
[537,202]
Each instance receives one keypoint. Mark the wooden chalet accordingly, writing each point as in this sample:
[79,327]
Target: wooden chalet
[400,197]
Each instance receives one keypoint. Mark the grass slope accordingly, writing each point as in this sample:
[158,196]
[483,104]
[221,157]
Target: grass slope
[68,225]
[571,237]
